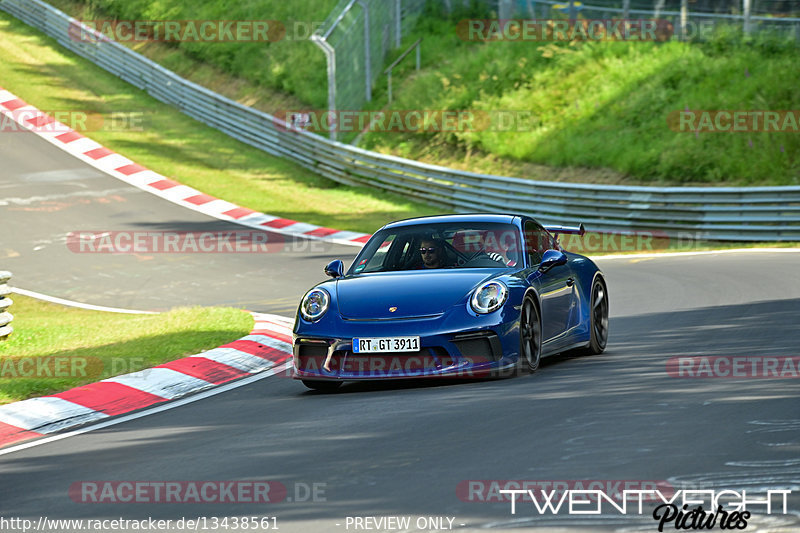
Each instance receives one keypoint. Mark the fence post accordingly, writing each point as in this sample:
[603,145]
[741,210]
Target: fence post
[746,9]
[505,9]
[330,56]
[684,18]
[398,25]
[367,51]
[626,9]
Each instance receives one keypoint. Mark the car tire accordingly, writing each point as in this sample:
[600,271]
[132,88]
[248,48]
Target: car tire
[598,318]
[322,386]
[530,335]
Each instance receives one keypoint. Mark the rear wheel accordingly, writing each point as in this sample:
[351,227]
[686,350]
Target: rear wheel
[599,318]
[324,386]
[530,335]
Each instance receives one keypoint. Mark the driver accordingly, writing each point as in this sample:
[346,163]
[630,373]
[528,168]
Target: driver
[432,252]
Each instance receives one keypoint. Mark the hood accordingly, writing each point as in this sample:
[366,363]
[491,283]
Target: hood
[414,293]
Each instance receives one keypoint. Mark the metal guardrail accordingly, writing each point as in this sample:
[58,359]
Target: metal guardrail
[722,213]
[5,303]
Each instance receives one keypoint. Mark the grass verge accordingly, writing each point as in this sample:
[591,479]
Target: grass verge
[596,112]
[54,348]
[603,112]
[37,70]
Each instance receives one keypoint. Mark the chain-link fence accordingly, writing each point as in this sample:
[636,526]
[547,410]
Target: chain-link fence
[356,39]
[690,19]
[359,34]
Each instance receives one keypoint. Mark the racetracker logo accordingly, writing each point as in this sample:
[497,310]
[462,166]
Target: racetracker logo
[379,365]
[177,492]
[207,491]
[61,121]
[734,121]
[52,367]
[737,367]
[561,30]
[175,242]
[102,30]
[408,120]
[526,490]
[211,31]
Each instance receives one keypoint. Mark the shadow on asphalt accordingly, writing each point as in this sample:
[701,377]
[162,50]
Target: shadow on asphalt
[404,448]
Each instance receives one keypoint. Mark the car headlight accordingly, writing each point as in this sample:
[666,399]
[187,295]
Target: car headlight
[489,297]
[314,304]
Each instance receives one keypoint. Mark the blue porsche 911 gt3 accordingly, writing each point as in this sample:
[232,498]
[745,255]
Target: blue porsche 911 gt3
[450,296]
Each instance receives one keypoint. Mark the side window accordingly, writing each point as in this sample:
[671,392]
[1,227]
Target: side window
[537,241]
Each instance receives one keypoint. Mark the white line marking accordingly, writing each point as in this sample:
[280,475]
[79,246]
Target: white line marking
[70,303]
[687,254]
[158,409]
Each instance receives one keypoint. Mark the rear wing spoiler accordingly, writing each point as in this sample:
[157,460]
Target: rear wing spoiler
[555,230]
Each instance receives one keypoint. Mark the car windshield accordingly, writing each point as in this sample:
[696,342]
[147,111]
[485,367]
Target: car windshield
[441,246]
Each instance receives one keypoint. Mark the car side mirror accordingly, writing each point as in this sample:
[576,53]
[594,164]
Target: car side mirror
[335,269]
[552,258]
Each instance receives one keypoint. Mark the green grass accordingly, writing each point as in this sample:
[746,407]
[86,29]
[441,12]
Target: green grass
[37,70]
[291,64]
[601,108]
[94,345]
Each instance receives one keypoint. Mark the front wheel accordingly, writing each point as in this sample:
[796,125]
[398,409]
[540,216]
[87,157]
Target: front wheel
[530,335]
[598,318]
[322,386]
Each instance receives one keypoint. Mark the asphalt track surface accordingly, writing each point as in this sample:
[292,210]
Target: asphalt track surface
[403,449]
[46,193]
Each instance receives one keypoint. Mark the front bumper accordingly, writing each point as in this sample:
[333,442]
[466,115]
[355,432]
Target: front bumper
[491,345]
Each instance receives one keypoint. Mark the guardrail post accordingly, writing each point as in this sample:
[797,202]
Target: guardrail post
[5,303]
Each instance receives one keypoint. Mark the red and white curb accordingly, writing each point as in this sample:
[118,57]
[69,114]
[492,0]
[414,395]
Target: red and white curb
[117,166]
[267,348]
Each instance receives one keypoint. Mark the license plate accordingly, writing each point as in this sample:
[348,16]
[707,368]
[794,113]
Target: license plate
[385,344]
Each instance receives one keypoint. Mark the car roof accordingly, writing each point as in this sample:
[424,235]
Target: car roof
[467,217]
